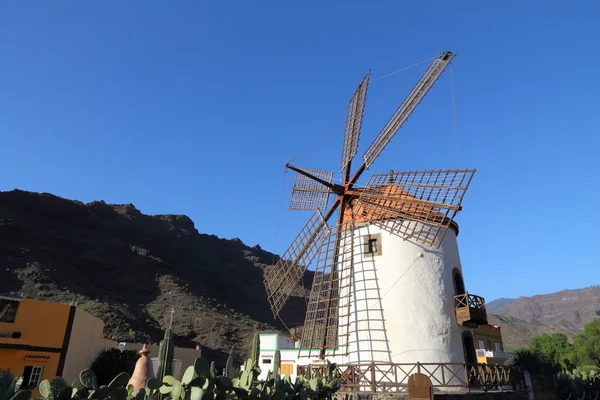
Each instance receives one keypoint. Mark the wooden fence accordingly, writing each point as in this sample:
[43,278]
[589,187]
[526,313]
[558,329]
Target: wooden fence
[383,378]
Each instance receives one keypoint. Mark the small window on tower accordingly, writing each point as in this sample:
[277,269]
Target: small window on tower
[372,245]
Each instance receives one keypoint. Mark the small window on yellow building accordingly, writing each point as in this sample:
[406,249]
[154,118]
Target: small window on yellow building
[32,376]
[8,310]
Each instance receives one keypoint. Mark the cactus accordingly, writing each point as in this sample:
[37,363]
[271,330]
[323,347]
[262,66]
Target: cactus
[277,363]
[9,387]
[119,380]
[202,368]
[212,369]
[88,379]
[165,357]
[199,382]
[255,355]
[230,371]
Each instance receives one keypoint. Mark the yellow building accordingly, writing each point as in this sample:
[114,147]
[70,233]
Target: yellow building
[489,346]
[34,338]
[41,340]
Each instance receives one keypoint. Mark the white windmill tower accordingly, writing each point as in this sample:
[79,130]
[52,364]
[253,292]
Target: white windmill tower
[388,284]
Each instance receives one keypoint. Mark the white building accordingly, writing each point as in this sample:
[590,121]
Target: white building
[291,356]
[402,303]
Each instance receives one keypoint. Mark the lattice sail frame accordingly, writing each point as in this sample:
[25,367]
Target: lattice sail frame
[309,194]
[416,95]
[327,321]
[281,280]
[356,110]
[417,204]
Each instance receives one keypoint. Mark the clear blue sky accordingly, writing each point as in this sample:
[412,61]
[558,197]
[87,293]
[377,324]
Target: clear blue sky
[194,107]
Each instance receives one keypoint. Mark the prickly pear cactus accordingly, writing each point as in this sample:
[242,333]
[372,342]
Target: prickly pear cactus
[9,387]
[88,379]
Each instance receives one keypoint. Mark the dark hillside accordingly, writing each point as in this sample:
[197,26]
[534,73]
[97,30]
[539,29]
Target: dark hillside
[129,269]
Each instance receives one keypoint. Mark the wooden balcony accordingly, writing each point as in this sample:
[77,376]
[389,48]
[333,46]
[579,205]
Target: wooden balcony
[470,310]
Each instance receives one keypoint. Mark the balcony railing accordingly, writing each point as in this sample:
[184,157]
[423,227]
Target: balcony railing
[482,353]
[372,378]
[470,310]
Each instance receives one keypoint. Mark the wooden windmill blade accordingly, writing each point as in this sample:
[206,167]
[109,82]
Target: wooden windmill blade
[309,194]
[356,110]
[416,95]
[327,322]
[417,204]
[281,280]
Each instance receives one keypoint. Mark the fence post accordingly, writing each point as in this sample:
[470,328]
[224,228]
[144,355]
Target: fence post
[467,377]
[373,383]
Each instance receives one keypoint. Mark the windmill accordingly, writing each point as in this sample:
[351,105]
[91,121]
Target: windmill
[418,206]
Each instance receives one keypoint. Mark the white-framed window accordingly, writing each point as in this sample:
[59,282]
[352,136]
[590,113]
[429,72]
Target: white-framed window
[32,375]
[267,361]
[481,344]
[372,245]
[497,346]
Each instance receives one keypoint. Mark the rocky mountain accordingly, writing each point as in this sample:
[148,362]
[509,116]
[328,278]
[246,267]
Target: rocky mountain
[130,269]
[517,333]
[566,311]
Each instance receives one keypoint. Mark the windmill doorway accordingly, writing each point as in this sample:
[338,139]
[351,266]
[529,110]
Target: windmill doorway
[469,348]
[459,284]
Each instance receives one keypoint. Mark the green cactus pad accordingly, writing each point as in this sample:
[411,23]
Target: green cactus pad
[56,385]
[177,391]
[100,393]
[224,383]
[141,394]
[22,395]
[119,393]
[198,381]
[202,367]
[153,383]
[196,393]
[77,384]
[165,389]
[66,393]
[14,386]
[188,376]
[88,379]
[334,384]
[213,368]
[170,380]
[119,380]
[7,378]
[229,370]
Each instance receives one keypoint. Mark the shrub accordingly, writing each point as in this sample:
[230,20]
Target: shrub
[111,362]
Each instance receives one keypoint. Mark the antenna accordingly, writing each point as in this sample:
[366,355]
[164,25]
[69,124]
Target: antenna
[171,321]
